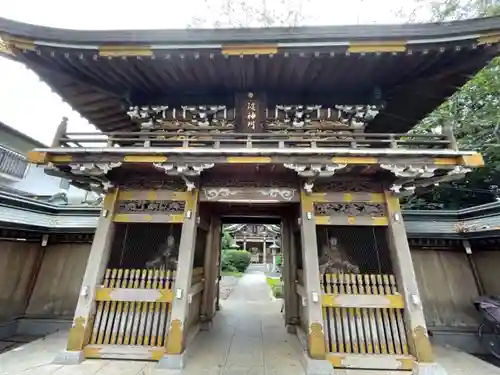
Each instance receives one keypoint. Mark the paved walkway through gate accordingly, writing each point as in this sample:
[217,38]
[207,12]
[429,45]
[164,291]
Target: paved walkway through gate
[248,338]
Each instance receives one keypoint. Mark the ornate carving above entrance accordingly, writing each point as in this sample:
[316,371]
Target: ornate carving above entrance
[350,209]
[150,206]
[242,194]
[240,183]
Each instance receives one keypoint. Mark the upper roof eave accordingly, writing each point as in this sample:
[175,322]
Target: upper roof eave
[194,37]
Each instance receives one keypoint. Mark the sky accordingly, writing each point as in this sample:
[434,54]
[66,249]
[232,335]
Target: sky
[29,105]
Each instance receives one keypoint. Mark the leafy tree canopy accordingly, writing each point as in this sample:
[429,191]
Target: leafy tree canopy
[474,112]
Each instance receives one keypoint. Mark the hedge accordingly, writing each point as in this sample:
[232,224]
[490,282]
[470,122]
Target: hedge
[235,260]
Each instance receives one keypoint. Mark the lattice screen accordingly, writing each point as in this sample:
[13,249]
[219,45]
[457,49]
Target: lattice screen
[137,243]
[364,247]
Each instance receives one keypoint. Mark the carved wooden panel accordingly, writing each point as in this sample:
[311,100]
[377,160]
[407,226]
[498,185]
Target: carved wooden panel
[245,194]
[350,209]
[151,206]
[349,186]
[153,184]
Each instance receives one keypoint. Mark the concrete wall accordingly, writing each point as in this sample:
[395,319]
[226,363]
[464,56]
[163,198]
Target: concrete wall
[59,281]
[17,260]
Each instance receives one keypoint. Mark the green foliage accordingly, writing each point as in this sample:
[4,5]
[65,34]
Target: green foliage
[227,240]
[474,112]
[276,285]
[235,260]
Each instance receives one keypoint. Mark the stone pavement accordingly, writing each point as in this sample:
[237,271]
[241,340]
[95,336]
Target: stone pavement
[248,337]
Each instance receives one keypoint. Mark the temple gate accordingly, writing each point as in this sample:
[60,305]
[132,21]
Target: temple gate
[310,124]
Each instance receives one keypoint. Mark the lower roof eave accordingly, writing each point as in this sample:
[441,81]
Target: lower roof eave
[253,151]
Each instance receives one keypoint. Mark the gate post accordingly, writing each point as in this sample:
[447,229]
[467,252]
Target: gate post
[289,275]
[176,338]
[418,338]
[316,362]
[79,332]
[209,271]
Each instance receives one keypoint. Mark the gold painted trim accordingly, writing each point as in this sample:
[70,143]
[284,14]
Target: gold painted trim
[124,51]
[248,49]
[475,160]
[60,158]
[5,47]
[445,161]
[489,38]
[248,159]
[351,220]
[175,337]
[316,341]
[152,195]
[20,43]
[307,202]
[332,196]
[371,47]
[355,160]
[144,218]
[393,205]
[396,301]
[110,200]
[92,352]
[37,157]
[104,294]
[144,159]
[77,334]
[337,360]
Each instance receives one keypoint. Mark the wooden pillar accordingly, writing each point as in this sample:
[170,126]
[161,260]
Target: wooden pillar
[314,313]
[289,275]
[215,264]
[97,261]
[208,274]
[418,338]
[176,339]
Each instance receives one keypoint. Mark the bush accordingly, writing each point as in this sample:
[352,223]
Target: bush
[235,260]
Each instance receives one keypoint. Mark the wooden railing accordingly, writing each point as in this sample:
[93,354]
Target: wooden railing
[254,140]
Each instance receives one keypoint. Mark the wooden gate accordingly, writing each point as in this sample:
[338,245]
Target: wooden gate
[132,314]
[363,322]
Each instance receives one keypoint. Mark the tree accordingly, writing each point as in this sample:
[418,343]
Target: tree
[251,13]
[474,112]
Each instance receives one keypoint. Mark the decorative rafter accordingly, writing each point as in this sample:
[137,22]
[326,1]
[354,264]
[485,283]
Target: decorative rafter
[409,171]
[93,169]
[188,172]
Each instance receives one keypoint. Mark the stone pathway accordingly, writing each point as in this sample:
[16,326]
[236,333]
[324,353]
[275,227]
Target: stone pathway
[248,337]
[227,285]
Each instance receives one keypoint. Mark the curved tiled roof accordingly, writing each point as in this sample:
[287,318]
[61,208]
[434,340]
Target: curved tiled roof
[411,68]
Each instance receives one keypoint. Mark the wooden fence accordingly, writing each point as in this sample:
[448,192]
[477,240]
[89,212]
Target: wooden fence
[133,307]
[363,314]
[363,321]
